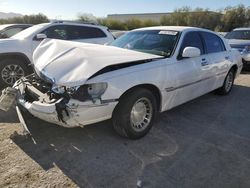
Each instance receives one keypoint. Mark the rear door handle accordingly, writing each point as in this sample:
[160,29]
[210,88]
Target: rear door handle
[227,57]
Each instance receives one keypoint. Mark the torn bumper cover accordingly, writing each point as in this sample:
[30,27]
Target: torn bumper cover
[61,110]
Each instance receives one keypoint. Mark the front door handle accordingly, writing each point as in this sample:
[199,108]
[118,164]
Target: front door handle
[204,62]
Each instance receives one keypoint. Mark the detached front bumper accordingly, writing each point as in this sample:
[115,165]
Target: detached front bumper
[79,113]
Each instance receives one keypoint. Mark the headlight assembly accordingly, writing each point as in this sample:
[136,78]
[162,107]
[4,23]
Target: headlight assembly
[97,90]
[90,91]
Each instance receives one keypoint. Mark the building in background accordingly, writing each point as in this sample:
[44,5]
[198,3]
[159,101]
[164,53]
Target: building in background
[156,17]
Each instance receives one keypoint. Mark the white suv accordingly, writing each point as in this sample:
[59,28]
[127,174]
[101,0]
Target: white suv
[16,52]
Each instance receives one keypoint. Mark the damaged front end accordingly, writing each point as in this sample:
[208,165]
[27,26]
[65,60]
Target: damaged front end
[65,106]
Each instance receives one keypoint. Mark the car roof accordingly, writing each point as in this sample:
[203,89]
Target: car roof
[3,26]
[76,23]
[242,29]
[173,28]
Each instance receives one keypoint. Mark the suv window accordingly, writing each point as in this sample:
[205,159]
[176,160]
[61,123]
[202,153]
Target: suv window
[57,32]
[213,43]
[11,31]
[84,32]
[192,39]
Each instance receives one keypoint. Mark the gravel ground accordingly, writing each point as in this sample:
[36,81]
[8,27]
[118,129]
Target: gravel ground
[203,143]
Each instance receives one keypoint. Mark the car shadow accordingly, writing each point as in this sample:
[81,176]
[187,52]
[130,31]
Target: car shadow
[96,157]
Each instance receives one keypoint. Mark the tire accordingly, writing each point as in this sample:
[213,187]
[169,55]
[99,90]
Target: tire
[135,113]
[11,70]
[228,84]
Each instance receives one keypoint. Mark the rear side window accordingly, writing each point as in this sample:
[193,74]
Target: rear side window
[213,43]
[192,39]
[83,32]
[57,32]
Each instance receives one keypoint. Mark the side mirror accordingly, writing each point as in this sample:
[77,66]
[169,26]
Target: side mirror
[40,37]
[191,52]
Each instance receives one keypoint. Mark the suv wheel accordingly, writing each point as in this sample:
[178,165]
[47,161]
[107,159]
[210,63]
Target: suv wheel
[11,70]
[135,113]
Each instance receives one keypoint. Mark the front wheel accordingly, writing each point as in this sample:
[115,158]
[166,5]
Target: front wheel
[228,83]
[135,113]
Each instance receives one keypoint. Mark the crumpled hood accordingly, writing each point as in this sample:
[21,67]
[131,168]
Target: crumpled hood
[72,63]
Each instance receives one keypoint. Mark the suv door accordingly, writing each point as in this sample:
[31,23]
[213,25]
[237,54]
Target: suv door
[53,32]
[218,58]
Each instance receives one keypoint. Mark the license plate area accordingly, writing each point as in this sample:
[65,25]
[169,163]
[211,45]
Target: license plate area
[7,98]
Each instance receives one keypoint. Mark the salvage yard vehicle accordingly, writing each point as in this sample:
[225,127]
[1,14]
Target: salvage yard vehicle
[144,72]
[16,52]
[9,30]
[239,39]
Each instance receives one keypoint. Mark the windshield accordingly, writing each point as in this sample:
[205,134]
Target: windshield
[240,35]
[157,42]
[28,32]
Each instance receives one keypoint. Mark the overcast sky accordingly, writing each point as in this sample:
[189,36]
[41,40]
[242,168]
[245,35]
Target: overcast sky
[68,9]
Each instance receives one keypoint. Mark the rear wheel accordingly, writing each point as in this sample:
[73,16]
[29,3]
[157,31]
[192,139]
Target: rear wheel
[11,70]
[228,83]
[135,113]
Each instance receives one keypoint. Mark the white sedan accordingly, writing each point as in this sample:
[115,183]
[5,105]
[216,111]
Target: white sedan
[144,72]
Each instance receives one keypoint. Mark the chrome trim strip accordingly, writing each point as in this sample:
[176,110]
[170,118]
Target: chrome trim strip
[186,85]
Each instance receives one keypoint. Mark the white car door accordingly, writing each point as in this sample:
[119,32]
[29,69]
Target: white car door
[219,59]
[187,74]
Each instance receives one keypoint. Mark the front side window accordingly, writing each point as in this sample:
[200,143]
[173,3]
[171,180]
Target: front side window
[213,43]
[84,32]
[57,32]
[158,42]
[192,39]
[239,35]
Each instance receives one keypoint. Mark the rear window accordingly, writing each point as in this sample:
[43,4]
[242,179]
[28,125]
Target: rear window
[213,43]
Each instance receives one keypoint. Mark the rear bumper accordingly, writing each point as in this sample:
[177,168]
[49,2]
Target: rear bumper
[78,115]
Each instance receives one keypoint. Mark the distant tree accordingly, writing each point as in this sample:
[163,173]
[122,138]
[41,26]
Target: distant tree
[149,23]
[112,24]
[87,18]
[223,20]
[133,24]
[192,17]
[233,17]
[27,19]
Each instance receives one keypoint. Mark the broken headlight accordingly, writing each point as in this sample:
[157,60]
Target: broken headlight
[90,91]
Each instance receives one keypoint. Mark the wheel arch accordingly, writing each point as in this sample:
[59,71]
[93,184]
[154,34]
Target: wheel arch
[15,55]
[235,68]
[151,87]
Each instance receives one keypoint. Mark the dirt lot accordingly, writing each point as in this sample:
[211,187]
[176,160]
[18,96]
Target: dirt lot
[204,143]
